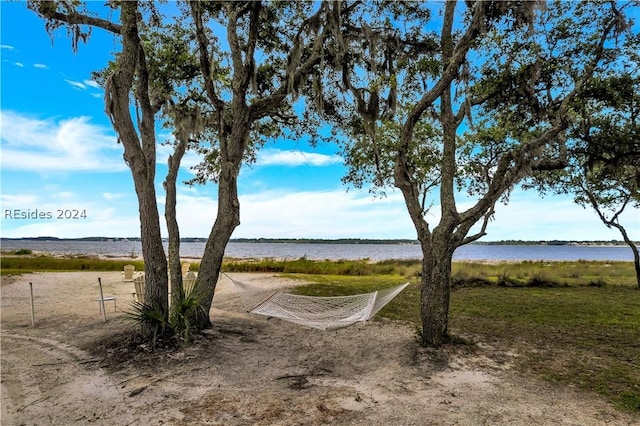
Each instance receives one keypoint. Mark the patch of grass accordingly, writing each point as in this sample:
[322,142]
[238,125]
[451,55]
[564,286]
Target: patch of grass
[318,267]
[577,335]
[584,336]
[403,307]
[464,274]
[22,264]
[180,318]
[556,274]
[152,321]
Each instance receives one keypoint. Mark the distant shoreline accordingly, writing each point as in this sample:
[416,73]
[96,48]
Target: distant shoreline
[601,243]
[335,249]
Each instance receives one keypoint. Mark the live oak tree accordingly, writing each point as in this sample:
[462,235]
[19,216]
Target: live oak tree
[472,101]
[160,78]
[274,48]
[604,145]
[245,95]
[608,154]
[185,112]
[136,128]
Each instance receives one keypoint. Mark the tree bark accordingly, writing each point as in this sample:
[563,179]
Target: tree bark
[636,262]
[227,219]
[156,280]
[435,291]
[175,269]
[139,154]
[614,222]
[138,139]
[630,243]
[234,120]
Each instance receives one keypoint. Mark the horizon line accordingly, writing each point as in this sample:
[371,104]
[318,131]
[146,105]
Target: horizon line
[277,239]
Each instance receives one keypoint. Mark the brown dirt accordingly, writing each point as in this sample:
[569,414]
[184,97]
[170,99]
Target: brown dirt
[249,370]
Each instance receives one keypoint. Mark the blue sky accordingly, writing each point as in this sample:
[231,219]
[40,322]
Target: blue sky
[59,156]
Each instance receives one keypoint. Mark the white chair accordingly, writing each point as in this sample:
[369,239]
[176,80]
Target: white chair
[139,285]
[185,268]
[188,282]
[127,273]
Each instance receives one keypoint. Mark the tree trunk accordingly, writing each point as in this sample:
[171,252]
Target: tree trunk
[435,290]
[228,218]
[156,287]
[175,269]
[613,222]
[634,249]
[139,154]
[636,262]
[232,149]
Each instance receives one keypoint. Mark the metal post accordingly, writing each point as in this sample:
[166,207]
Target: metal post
[33,315]
[104,311]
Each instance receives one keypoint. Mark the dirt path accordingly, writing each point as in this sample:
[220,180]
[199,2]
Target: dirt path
[248,370]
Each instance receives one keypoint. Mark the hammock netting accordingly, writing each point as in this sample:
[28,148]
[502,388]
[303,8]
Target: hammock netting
[325,313]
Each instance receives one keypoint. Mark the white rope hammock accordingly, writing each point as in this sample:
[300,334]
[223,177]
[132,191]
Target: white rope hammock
[325,313]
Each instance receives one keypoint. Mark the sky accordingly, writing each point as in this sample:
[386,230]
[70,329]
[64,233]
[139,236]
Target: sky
[62,172]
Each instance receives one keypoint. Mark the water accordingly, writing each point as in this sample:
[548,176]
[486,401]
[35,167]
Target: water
[374,252]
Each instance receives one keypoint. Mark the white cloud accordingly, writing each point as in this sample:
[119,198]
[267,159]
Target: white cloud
[84,85]
[12,200]
[18,64]
[329,214]
[106,225]
[559,218]
[92,83]
[20,198]
[110,196]
[267,157]
[69,217]
[355,214]
[63,145]
[76,84]
[65,195]
[283,213]
[277,157]
[286,214]
[6,46]
[42,66]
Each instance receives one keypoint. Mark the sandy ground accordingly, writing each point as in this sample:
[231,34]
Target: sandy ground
[249,370]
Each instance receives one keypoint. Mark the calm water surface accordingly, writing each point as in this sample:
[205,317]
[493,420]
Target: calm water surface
[336,251]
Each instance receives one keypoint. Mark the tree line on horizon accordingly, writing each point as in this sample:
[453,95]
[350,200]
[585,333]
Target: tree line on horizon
[433,99]
[331,241]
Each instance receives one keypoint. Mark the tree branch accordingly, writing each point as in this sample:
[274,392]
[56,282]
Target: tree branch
[515,164]
[205,61]
[450,71]
[471,238]
[49,10]
[294,75]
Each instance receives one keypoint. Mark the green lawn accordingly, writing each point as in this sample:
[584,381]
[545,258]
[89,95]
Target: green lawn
[578,335]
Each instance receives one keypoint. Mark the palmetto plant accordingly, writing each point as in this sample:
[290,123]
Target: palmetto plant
[152,323]
[181,312]
[178,326]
